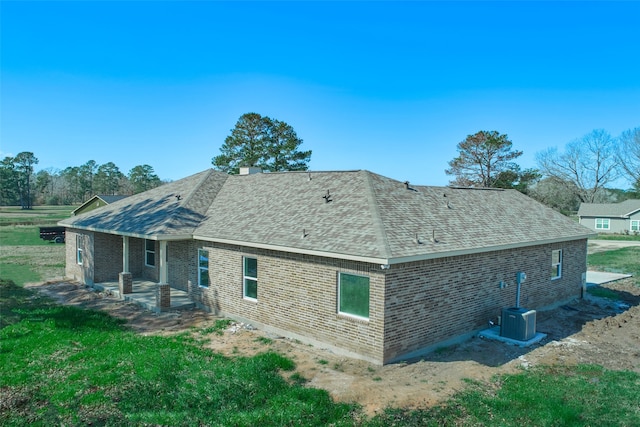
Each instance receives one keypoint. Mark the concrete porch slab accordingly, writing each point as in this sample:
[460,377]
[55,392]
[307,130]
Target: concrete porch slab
[493,333]
[144,294]
[601,277]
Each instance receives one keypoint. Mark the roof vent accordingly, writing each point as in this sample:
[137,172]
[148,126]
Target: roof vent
[433,237]
[327,197]
[249,170]
[408,187]
[417,240]
[304,233]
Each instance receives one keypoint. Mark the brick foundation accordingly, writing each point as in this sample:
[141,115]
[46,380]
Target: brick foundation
[125,283]
[163,297]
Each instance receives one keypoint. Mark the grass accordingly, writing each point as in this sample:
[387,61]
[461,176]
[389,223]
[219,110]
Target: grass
[544,396]
[264,340]
[21,262]
[67,366]
[39,215]
[599,292]
[217,328]
[27,235]
[623,260]
[635,237]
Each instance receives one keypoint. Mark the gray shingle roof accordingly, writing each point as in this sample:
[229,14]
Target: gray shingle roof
[618,210]
[111,198]
[105,198]
[157,212]
[369,217]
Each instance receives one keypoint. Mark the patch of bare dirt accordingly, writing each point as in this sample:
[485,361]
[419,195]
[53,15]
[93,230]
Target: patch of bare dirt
[591,331]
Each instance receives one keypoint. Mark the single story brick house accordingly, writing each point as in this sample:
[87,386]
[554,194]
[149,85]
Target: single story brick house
[351,261]
[622,218]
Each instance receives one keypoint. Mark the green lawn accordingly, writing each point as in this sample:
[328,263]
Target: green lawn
[63,365]
[635,237]
[623,260]
[543,396]
[26,235]
[66,366]
[39,215]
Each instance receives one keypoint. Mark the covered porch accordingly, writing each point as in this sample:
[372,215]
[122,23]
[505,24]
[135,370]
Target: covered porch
[150,295]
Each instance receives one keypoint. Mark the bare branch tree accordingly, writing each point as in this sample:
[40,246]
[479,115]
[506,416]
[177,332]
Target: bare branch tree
[589,164]
[629,155]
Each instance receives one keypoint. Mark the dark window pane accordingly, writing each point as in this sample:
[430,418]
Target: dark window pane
[251,288]
[251,267]
[354,295]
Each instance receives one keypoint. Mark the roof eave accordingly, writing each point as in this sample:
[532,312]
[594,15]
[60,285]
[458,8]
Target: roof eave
[324,254]
[156,236]
[392,260]
[472,251]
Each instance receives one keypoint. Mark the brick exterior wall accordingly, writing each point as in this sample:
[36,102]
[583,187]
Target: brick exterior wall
[149,272]
[108,257]
[432,302]
[83,239]
[182,264]
[102,257]
[414,307]
[297,297]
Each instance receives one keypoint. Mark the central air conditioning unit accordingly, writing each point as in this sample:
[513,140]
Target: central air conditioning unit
[518,323]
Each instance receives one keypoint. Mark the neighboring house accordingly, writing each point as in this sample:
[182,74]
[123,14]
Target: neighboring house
[623,217]
[95,202]
[350,261]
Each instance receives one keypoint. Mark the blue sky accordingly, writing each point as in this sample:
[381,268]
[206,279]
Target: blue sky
[391,87]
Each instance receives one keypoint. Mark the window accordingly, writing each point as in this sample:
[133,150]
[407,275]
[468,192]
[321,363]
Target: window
[556,264]
[250,278]
[353,295]
[150,253]
[635,225]
[602,223]
[203,268]
[79,249]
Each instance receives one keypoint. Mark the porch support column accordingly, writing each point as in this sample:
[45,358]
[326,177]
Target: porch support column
[163,290]
[125,254]
[125,278]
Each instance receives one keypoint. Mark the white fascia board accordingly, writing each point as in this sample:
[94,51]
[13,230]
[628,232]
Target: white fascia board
[136,235]
[473,251]
[288,249]
[392,261]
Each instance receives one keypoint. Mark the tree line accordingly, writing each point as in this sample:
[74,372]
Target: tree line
[75,184]
[582,172]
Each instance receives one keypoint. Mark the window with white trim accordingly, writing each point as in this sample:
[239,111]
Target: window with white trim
[79,249]
[150,253]
[556,264]
[635,225]
[353,295]
[203,268]
[602,223]
[250,278]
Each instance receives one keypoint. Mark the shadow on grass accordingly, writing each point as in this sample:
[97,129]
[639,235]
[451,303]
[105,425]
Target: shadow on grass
[62,365]
[20,304]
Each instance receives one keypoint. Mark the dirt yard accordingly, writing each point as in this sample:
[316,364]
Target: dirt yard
[584,331]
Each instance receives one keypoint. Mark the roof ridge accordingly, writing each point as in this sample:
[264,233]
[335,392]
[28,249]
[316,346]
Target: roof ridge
[196,187]
[382,238]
